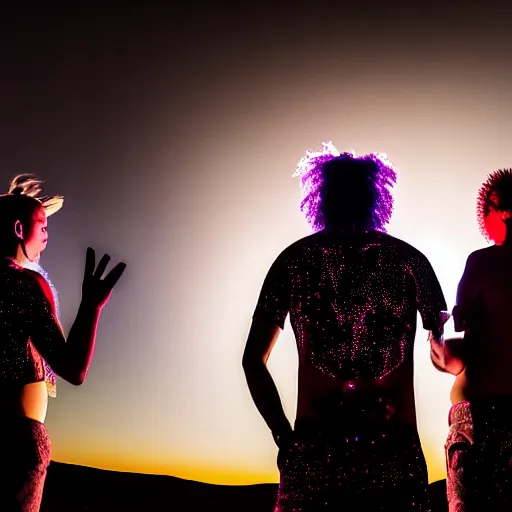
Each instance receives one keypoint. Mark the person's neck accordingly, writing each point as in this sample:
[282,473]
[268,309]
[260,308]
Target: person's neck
[350,231]
[17,256]
[508,237]
[20,258]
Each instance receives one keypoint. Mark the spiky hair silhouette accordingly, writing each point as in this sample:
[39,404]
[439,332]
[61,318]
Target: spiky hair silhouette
[494,194]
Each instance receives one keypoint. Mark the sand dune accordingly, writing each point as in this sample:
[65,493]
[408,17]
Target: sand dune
[71,488]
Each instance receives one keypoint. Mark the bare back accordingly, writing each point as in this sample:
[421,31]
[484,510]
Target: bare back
[484,312]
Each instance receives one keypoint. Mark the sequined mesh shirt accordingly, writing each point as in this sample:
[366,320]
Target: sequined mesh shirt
[353,301]
[29,330]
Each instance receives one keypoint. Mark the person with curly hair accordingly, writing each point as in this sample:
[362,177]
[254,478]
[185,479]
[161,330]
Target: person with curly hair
[33,347]
[479,444]
[352,293]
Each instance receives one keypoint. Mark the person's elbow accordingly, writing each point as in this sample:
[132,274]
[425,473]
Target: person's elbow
[262,337]
[454,365]
[73,376]
[78,379]
[447,364]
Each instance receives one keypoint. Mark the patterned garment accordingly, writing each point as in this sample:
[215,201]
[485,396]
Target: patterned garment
[479,456]
[458,448]
[49,375]
[29,328]
[353,301]
[25,455]
[378,467]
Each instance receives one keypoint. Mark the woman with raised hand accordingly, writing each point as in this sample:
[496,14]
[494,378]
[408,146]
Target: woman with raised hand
[33,347]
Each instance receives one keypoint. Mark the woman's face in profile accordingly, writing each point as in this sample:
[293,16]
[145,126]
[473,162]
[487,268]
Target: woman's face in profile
[36,242]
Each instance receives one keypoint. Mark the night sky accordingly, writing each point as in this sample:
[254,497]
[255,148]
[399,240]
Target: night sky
[173,134]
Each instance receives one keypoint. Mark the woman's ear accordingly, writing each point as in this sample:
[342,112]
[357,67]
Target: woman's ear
[18,229]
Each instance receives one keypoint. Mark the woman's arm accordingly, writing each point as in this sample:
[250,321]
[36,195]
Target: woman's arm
[446,355]
[71,359]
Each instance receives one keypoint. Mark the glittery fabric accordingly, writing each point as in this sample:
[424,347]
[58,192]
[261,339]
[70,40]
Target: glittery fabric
[458,448]
[25,454]
[353,301]
[479,456]
[49,375]
[326,466]
[29,329]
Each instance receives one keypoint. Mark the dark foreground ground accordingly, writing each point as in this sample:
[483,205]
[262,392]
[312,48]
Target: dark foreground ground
[72,488]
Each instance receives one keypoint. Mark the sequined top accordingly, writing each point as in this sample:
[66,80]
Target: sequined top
[353,301]
[29,329]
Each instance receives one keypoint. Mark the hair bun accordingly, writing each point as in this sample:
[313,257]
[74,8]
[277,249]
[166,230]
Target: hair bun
[17,191]
[30,185]
[26,184]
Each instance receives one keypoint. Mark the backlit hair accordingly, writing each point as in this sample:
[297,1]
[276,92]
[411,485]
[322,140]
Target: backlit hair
[344,191]
[495,194]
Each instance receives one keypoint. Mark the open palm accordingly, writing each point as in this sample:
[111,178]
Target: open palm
[95,290]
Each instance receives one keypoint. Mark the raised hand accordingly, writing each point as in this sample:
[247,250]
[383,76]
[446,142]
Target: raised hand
[97,291]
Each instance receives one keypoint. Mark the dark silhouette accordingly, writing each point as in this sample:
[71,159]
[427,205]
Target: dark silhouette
[479,444]
[71,488]
[82,489]
[32,342]
[437,496]
[352,292]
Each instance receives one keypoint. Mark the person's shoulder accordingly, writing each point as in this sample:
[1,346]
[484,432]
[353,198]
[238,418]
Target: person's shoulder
[31,275]
[481,255]
[483,252]
[32,278]
[291,254]
[21,274]
[400,245]
[299,245]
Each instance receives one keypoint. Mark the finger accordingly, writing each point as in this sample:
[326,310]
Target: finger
[90,258]
[114,275]
[102,265]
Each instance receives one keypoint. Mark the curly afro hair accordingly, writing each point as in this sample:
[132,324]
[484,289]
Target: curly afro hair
[342,191]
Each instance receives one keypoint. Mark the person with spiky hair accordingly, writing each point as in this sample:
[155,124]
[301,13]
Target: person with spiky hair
[33,347]
[352,293]
[479,444]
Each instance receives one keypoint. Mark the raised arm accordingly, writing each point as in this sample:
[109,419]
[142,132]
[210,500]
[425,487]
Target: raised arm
[71,360]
